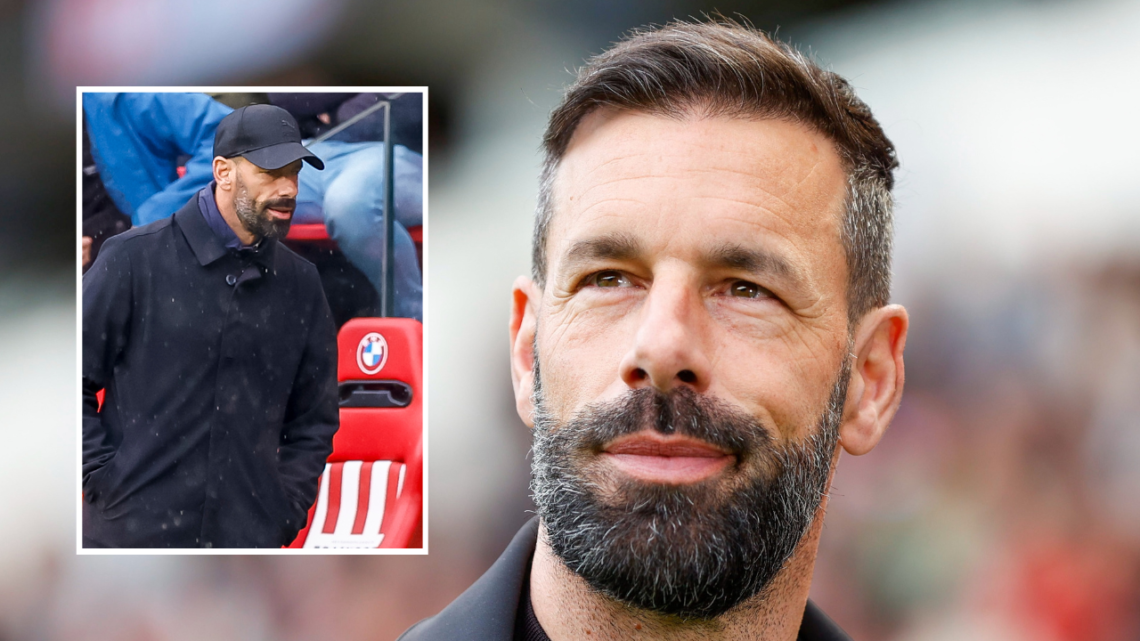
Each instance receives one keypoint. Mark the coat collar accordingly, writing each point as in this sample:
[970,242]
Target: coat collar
[487,610]
[206,245]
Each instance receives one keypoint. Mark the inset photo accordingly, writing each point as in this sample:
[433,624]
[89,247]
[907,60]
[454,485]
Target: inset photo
[251,320]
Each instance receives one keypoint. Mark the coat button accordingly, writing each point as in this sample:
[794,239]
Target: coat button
[231,279]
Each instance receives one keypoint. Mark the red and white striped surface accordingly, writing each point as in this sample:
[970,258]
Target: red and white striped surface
[351,503]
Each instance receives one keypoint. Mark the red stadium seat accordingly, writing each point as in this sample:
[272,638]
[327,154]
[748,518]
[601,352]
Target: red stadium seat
[311,231]
[317,233]
[371,492]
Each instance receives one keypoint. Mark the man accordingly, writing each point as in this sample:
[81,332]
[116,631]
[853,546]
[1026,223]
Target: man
[710,310]
[217,354]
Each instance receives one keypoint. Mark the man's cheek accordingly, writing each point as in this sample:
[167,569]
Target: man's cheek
[789,375]
[579,367]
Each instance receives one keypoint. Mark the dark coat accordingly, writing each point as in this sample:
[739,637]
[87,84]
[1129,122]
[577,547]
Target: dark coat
[221,397]
[487,611]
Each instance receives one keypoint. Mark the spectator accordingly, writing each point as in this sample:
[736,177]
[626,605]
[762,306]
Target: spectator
[349,197]
[137,141]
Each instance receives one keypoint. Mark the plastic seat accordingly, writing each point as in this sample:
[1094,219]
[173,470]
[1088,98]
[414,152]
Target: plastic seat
[371,492]
[356,504]
[309,231]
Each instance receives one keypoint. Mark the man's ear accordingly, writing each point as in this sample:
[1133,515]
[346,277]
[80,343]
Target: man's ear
[524,322]
[877,376]
[224,172]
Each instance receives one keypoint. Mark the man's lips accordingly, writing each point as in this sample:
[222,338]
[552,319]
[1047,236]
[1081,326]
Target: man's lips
[656,458]
[280,214]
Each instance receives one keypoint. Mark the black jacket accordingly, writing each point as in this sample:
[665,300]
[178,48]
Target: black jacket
[487,610]
[220,378]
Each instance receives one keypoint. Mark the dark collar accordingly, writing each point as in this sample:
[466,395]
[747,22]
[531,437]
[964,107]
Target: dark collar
[206,245]
[817,626]
[488,609]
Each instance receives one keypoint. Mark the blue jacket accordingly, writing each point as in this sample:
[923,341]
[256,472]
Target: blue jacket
[219,371]
[137,140]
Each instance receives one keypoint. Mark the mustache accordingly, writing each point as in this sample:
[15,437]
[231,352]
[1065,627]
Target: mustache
[681,411]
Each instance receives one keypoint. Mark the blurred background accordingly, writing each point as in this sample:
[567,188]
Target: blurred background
[1001,505]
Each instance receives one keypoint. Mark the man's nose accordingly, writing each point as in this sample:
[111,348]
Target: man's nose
[287,187]
[669,347]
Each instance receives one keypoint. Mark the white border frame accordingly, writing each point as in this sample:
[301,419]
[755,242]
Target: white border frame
[79,549]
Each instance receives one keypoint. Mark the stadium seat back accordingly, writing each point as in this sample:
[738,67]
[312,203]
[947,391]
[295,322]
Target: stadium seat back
[381,419]
[371,492]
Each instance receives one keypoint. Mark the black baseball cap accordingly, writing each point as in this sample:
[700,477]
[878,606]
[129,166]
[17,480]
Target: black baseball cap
[265,135]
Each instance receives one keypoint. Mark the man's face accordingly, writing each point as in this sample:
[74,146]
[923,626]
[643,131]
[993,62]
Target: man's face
[693,338]
[265,198]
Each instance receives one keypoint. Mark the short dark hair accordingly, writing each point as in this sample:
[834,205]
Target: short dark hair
[724,68]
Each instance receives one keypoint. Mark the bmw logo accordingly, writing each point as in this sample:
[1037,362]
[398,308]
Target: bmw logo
[372,353]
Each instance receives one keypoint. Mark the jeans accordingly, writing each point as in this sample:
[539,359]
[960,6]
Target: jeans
[350,191]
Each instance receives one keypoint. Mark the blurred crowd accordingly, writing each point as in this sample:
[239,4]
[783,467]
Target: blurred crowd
[1001,504]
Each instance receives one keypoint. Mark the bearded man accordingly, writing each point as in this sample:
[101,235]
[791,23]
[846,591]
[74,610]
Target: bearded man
[709,306]
[216,351]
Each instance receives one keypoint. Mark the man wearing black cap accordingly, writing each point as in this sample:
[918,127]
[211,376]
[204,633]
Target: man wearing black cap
[216,351]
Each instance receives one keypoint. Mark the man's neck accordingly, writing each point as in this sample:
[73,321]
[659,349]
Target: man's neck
[568,608]
[229,214]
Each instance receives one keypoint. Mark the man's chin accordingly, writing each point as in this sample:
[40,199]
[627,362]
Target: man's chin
[277,229]
[281,229]
[674,537]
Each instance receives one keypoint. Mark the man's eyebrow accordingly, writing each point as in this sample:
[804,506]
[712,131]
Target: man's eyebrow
[753,261]
[620,247]
[608,247]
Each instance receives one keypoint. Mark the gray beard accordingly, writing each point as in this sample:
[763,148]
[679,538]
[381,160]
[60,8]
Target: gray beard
[694,551]
[256,222]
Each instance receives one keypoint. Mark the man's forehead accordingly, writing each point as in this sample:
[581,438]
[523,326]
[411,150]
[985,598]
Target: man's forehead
[698,174]
[748,141]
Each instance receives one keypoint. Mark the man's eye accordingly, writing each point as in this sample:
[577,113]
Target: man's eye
[745,289]
[607,279]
